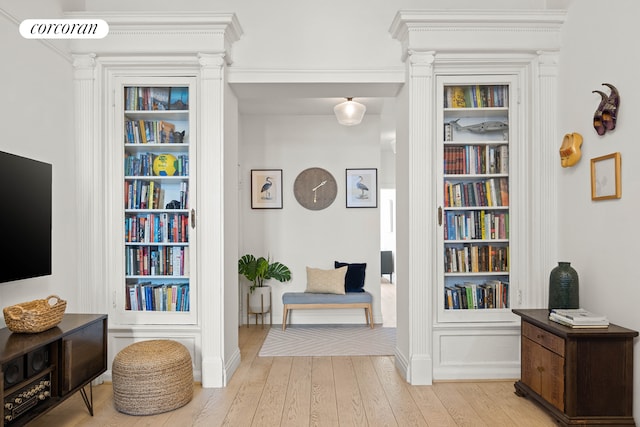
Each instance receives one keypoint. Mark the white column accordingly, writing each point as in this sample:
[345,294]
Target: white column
[545,164]
[422,215]
[209,225]
[88,166]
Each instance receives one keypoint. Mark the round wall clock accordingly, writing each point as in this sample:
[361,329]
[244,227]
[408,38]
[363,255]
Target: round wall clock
[315,188]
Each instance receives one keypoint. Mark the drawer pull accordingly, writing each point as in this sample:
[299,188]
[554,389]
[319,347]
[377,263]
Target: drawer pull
[539,336]
[540,369]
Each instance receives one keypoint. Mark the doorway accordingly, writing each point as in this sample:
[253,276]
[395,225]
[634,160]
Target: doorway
[387,258]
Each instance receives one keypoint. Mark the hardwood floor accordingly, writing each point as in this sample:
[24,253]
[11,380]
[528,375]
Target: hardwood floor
[388,303]
[318,391]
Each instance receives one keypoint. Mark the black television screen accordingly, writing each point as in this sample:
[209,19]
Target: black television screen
[25,215]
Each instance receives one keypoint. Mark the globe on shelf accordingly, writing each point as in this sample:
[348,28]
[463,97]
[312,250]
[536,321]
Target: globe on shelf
[165,165]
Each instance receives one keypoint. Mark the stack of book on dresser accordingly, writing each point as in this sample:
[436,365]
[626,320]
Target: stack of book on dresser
[578,318]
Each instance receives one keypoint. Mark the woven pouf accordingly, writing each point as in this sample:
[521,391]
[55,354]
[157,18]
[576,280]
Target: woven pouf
[150,377]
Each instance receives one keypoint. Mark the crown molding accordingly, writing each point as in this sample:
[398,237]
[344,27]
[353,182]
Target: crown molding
[161,33]
[478,30]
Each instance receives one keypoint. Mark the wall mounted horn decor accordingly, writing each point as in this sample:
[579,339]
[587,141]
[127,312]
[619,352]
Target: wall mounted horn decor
[604,119]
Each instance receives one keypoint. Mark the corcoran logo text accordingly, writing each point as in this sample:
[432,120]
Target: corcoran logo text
[64,28]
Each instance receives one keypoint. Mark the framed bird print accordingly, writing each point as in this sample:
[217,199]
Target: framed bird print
[266,188]
[362,188]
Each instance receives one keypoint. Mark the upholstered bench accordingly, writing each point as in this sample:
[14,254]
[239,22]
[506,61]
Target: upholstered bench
[307,300]
[151,377]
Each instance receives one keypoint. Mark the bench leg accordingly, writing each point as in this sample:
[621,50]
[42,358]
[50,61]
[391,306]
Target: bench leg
[285,312]
[369,315]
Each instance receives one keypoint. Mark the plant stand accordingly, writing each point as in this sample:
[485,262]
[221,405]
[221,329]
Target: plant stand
[260,313]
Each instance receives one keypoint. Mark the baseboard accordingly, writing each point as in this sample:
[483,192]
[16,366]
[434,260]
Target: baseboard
[476,372]
[402,364]
[231,365]
[421,369]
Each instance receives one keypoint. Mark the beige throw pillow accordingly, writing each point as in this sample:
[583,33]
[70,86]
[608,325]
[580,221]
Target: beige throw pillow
[326,281]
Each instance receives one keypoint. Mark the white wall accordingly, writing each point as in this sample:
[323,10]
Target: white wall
[600,238]
[299,237]
[36,114]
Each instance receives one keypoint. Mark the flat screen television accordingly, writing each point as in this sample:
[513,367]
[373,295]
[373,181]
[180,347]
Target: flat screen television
[25,217]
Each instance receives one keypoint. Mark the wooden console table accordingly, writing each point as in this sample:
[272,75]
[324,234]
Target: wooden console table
[579,376]
[39,371]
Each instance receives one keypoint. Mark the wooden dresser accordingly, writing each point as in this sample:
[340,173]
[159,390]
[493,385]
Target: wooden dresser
[580,376]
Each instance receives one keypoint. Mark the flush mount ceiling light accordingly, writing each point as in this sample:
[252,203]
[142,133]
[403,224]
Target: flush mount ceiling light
[349,113]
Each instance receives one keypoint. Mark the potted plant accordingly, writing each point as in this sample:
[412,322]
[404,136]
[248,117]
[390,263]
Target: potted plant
[257,270]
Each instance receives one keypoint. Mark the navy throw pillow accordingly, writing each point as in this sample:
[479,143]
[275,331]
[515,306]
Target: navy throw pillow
[354,279]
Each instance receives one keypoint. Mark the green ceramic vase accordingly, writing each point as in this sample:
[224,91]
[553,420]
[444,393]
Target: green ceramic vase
[564,287]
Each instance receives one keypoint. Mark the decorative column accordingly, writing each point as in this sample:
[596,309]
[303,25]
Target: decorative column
[545,158]
[422,215]
[88,184]
[209,218]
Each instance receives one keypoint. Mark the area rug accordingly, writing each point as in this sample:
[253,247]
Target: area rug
[329,340]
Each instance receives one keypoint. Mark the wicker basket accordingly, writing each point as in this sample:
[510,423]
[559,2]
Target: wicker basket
[34,316]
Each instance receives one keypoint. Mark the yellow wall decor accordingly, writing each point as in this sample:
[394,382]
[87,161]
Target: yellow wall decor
[570,149]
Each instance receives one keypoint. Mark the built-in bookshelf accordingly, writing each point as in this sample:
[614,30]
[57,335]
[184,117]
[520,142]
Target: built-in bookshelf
[157,169]
[474,196]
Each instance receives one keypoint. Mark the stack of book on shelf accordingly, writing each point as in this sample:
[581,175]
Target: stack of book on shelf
[578,318]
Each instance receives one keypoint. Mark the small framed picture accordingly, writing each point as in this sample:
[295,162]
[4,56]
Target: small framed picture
[266,188]
[605,177]
[362,188]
